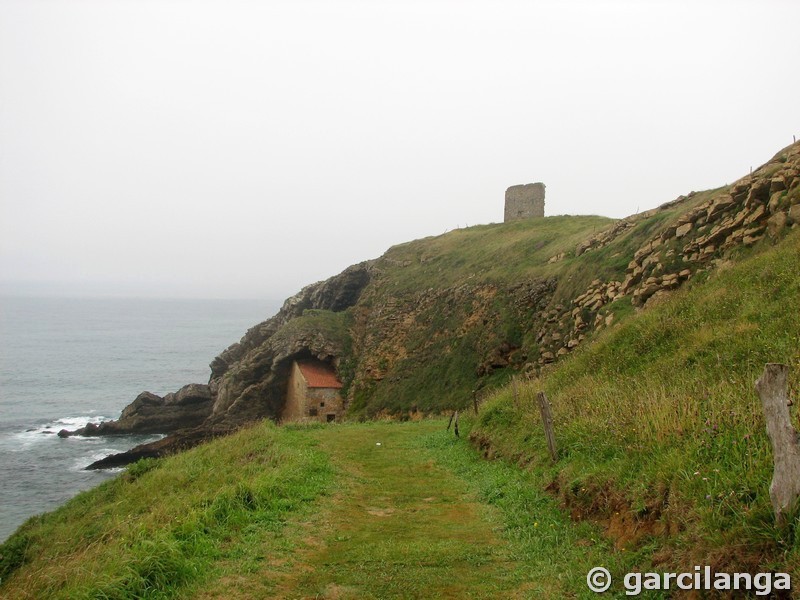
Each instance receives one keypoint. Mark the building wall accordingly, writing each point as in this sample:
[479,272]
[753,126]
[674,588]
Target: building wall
[332,401]
[302,401]
[524,202]
[295,407]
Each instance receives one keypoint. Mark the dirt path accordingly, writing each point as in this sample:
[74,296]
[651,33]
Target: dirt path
[397,526]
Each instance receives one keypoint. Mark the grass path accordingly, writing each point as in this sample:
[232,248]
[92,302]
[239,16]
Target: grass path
[417,514]
[399,526]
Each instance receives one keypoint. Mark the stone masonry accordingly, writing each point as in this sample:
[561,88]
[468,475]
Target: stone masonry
[524,201]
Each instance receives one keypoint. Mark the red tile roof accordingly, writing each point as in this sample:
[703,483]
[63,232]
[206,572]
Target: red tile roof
[319,375]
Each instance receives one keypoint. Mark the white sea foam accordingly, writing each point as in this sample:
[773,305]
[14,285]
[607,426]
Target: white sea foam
[85,460]
[75,422]
[43,432]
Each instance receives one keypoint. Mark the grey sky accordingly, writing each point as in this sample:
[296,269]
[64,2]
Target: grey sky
[244,149]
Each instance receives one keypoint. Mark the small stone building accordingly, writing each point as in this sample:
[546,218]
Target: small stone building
[313,394]
[524,202]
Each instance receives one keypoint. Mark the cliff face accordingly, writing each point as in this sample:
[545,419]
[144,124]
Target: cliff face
[249,378]
[435,321]
[335,294]
[432,349]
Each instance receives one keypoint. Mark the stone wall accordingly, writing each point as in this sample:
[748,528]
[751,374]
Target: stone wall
[524,202]
[326,403]
[304,403]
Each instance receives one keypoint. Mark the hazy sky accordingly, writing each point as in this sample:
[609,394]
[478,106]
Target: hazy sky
[244,149]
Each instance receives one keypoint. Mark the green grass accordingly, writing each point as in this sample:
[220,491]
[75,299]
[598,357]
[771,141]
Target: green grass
[165,527]
[399,526]
[373,510]
[551,553]
[398,510]
[424,516]
[333,326]
[660,416]
[497,253]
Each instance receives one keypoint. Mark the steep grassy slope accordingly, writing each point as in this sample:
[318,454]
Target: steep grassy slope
[448,315]
[661,434]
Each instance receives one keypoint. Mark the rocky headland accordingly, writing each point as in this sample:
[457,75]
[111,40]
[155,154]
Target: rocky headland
[433,322]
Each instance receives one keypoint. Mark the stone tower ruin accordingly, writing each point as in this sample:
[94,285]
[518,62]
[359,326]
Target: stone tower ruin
[524,202]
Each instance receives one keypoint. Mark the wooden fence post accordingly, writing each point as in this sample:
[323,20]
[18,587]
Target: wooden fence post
[455,425]
[784,490]
[547,421]
[514,387]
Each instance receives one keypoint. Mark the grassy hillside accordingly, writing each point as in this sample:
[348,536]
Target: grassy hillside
[436,321]
[370,511]
[661,434]
[507,253]
[448,314]
[498,253]
[164,527]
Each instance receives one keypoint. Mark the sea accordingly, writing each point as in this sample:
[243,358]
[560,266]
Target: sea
[65,362]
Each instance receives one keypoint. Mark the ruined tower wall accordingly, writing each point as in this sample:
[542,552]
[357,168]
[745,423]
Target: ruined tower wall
[524,202]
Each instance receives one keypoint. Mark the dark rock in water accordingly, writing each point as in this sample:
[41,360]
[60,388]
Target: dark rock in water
[176,442]
[88,430]
[149,413]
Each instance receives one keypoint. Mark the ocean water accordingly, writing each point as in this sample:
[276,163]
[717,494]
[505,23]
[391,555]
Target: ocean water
[67,361]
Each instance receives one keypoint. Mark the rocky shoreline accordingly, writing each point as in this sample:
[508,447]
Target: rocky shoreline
[175,442]
[180,415]
[247,379]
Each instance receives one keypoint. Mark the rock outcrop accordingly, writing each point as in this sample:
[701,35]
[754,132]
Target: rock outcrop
[190,406]
[706,227]
[249,376]
[335,294]
[182,439]
[247,379]
[396,336]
